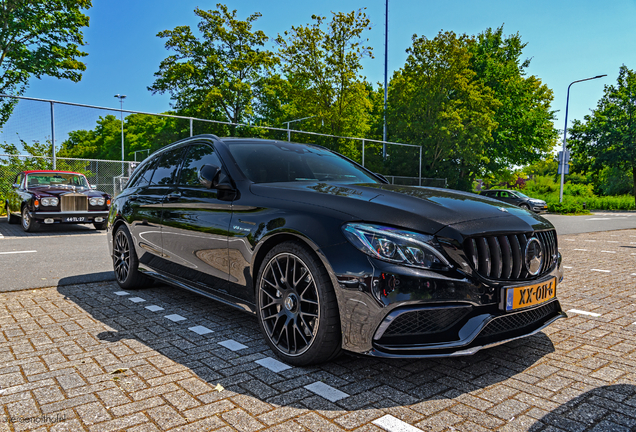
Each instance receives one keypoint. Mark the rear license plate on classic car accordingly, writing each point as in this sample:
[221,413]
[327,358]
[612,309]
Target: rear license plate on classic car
[530,295]
[74,219]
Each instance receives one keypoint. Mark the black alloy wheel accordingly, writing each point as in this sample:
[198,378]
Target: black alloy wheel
[100,225]
[125,262]
[28,223]
[296,306]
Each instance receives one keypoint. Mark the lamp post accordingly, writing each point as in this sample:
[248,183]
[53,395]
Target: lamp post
[565,131]
[121,117]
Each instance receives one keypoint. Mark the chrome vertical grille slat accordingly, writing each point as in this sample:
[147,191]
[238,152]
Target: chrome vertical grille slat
[502,257]
[73,202]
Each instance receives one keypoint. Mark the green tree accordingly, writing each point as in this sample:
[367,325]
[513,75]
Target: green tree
[524,133]
[39,38]
[321,63]
[214,76]
[436,102]
[607,137]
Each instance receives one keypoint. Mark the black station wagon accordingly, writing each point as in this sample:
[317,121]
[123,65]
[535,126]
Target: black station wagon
[328,256]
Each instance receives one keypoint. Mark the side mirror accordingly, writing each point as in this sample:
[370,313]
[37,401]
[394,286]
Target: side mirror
[15,186]
[93,187]
[208,174]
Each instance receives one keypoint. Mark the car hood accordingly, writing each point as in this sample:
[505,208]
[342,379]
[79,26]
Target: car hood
[418,208]
[57,192]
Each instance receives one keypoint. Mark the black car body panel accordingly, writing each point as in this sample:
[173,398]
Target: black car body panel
[213,243]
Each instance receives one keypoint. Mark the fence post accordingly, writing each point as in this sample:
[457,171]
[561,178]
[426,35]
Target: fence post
[362,152]
[420,173]
[191,120]
[53,135]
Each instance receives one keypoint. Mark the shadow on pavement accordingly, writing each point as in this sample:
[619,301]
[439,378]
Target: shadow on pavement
[608,408]
[369,382]
[15,230]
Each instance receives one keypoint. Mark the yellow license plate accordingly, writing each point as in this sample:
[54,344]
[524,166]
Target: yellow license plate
[531,295]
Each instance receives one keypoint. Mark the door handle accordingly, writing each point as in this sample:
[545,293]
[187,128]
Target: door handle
[173,196]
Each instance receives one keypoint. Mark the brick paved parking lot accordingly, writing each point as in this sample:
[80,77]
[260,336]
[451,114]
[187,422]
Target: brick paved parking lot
[91,357]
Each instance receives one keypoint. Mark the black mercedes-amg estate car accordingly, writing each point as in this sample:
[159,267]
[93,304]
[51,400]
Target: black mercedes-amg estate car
[329,256]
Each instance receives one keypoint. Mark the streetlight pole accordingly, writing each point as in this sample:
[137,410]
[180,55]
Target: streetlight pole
[386,67]
[121,117]
[565,131]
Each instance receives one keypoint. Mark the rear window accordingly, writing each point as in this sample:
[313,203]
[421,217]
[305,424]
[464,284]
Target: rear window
[271,162]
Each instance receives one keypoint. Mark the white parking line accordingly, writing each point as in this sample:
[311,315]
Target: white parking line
[583,250]
[1,236]
[569,239]
[233,345]
[326,391]
[121,293]
[580,312]
[633,274]
[602,271]
[16,252]
[392,424]
[613,241]
[136,299]
[568,267]
[590,240]
[154,308]
[175,317]
[273,364]
[609,251]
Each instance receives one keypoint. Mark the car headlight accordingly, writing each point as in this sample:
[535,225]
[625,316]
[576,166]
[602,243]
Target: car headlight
[96,201]
[49,202]
[395,245]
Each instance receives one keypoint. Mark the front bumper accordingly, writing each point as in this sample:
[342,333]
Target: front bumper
[69,217]
[449,314]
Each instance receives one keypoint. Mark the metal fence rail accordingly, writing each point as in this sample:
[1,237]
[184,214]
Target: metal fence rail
[107,176]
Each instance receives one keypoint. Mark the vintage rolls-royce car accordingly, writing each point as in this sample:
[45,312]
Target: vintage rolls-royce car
[49,197]
[329,256]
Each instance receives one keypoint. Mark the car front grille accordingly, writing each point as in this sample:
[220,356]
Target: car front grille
[73,202]
[502,257]
[519,320]
[426,321]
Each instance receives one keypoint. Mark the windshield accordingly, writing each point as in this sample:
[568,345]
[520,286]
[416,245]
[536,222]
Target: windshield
[270,162]
[520,195]
[64,180]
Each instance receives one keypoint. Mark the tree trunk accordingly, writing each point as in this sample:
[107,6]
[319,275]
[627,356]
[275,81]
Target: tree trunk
[634,179]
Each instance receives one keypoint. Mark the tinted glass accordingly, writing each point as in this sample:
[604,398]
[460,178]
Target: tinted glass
[142,178]
[197,156]
[268,162]
[56,179]
[166,171]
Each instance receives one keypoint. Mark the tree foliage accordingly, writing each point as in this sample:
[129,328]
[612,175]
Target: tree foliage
[39,38]
[321,66]
[607,136]
[436,102]
[525,131]
[215,75]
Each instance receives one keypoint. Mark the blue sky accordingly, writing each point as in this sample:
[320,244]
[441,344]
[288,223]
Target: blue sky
[567,40]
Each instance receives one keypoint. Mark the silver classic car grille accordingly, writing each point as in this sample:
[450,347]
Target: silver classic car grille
[502,257]
[73,202]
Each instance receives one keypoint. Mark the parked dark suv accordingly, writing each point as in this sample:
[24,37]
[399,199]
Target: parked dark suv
[517,198]
[328,256]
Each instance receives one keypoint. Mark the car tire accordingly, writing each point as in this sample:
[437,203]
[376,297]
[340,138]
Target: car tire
[100,226]
[125,261]
[10,218]
[524,206]
[296,306]
[28,223]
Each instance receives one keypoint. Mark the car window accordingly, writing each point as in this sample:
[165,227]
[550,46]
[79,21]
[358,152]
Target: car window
[142,178]
[503,194]
[167,168]
[197,156]
[265,162]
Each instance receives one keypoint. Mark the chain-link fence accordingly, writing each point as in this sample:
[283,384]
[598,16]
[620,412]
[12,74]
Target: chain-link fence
[79,130]
[107,176]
